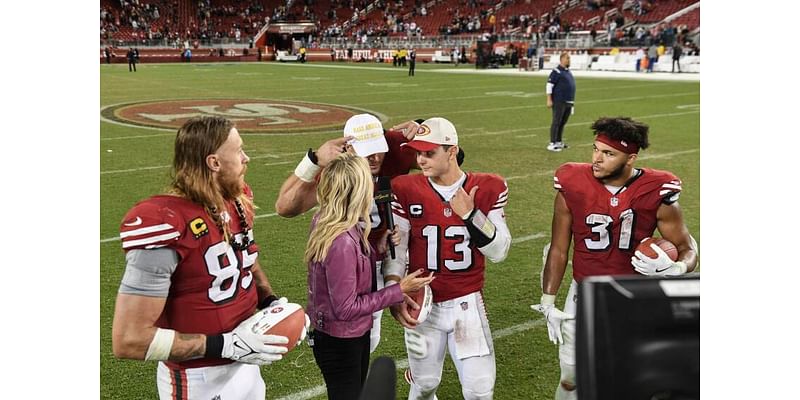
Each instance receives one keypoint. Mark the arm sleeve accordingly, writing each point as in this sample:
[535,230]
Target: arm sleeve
[148,272]
[497,249]
[548,88]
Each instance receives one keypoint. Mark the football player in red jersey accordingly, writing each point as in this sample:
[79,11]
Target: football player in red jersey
[606,208]
[449,221]
[192,279]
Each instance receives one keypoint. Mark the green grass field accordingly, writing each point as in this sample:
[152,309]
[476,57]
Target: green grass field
[503,126]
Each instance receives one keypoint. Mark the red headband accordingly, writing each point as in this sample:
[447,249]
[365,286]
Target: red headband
[621,145]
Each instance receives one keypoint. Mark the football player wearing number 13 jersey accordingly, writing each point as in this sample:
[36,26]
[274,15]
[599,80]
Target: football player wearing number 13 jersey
[449,221]
[606,208]
[192,279]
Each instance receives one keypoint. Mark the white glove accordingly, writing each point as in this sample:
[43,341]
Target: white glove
[305,329]
[279,302]
[244,345]
[661,265]
[554,317]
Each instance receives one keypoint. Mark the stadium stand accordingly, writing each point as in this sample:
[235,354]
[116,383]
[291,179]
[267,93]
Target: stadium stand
[218,30]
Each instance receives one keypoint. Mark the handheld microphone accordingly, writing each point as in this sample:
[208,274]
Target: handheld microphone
[380,383]
[384,196]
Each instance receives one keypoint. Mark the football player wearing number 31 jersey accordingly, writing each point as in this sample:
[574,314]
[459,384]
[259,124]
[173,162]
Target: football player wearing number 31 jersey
[192,280]
[606,208]
[449,221]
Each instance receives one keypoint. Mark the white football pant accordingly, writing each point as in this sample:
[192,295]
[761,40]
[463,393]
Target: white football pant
[460,327]
[230,381]
[566,351]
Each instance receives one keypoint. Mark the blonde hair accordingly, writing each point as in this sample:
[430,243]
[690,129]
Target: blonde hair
[344,194]
[192,179]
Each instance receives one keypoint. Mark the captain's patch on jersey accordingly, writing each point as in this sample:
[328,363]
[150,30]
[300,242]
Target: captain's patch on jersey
[415,210]
[198,227]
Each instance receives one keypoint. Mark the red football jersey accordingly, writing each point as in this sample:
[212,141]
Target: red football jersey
[606,228]
[211,289]
[438,240]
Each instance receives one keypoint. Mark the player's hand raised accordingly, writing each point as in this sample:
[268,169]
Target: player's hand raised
[463,203]
[330,150]
[408,128]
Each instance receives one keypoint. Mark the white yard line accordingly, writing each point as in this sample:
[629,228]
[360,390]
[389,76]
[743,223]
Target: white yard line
[577,105]
[484,95]
[589,123]
[122,171]
[644,157]
[470,69]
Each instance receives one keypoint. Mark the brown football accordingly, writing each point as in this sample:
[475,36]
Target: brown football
[664,244]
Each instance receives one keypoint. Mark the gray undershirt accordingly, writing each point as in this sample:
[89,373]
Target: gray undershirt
[148,272]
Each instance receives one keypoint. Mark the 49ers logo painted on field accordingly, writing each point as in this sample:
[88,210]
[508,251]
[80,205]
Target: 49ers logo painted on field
[249,115]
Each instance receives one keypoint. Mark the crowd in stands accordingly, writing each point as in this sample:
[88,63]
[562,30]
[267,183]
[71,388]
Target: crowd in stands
[157,20]
[240,20]
[665,33]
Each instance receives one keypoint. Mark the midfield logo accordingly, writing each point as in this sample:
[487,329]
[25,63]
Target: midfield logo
[250,115]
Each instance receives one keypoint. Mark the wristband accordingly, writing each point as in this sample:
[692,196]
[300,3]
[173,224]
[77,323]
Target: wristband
[547,299]
[480,228]
[312,155]
[307,169]
[161,345]
[480,221]
[214,346]
[267,301]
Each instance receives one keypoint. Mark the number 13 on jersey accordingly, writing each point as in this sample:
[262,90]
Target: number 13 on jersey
[461,253]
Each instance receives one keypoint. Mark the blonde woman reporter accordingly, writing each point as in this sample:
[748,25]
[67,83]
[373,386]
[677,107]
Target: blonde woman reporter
[341,265]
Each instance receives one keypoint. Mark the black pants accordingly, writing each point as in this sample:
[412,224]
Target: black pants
[561,112]
[131,66]
[344,363]
[676,61]
[411,67]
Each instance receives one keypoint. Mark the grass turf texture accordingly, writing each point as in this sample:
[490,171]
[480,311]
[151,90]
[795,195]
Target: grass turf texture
[503,126]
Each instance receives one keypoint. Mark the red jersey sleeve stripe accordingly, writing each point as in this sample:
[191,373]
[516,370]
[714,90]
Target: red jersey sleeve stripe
[499,206]
[146,230]
[150,240]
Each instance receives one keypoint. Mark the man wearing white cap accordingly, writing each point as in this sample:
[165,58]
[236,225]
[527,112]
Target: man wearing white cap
[298,192]
[449,221]
[364,135]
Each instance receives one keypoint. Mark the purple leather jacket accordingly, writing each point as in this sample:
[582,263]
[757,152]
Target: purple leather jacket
[340,296]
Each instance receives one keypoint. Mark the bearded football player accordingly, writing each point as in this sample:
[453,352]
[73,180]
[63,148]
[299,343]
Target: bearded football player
[192,280]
